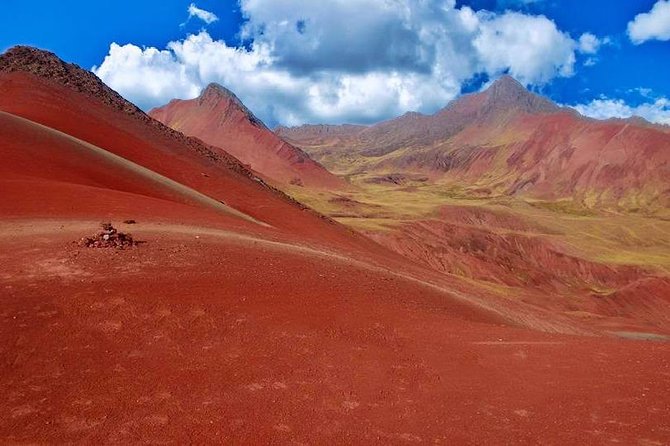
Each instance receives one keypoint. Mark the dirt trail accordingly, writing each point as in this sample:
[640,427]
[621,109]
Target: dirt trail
[515,314]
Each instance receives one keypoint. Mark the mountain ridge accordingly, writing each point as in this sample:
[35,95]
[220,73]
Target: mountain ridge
[506,95]
[509,141]
[48,66]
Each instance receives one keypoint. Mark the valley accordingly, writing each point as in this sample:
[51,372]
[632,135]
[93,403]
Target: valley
[580,252]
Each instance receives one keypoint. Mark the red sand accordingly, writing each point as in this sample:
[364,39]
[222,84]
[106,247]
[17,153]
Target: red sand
[218,329]
[219,340]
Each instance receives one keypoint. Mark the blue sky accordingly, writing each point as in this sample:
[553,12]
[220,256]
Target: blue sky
[293,62]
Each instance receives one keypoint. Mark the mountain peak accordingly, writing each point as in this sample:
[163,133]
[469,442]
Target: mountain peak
[507,84]
[46,65]
[508,93]
[215,94]
[214,90]
[19,58]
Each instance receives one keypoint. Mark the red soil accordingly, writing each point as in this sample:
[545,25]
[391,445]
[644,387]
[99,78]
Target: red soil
[503,250]
[222,329]
[219,118]
[209,340]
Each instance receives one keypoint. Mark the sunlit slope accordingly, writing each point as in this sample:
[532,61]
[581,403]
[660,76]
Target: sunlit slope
[219,118]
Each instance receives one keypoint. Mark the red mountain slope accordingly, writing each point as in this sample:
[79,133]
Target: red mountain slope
[39,87]
[222,329]
[220,119]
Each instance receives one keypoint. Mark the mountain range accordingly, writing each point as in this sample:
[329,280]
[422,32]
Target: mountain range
[506,140]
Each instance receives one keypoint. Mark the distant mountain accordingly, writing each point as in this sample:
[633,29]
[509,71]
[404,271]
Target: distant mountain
[505,97]
[219,118]
[508,140]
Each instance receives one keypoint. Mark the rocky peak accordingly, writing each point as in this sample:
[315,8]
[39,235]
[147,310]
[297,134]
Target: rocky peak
[216,92]
[413,115]
[508,93]
[25,58]
[215,95]
[507,86]
[47,65]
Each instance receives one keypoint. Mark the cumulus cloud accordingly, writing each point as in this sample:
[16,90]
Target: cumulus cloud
[652,25]
[146,75]
[327,62]
[657,111]
[206,16]
[531,48]
[589,43]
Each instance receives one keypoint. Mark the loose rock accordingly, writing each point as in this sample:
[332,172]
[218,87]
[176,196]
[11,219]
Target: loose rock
[109,237]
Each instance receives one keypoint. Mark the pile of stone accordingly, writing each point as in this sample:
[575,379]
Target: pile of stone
[109,237]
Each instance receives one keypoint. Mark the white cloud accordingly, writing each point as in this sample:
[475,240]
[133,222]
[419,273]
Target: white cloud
[205,16]
[652,25]
[301,64]
[657,111]
[589,43]
[146,75]
[509,4]
[591,61]
[531,48]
